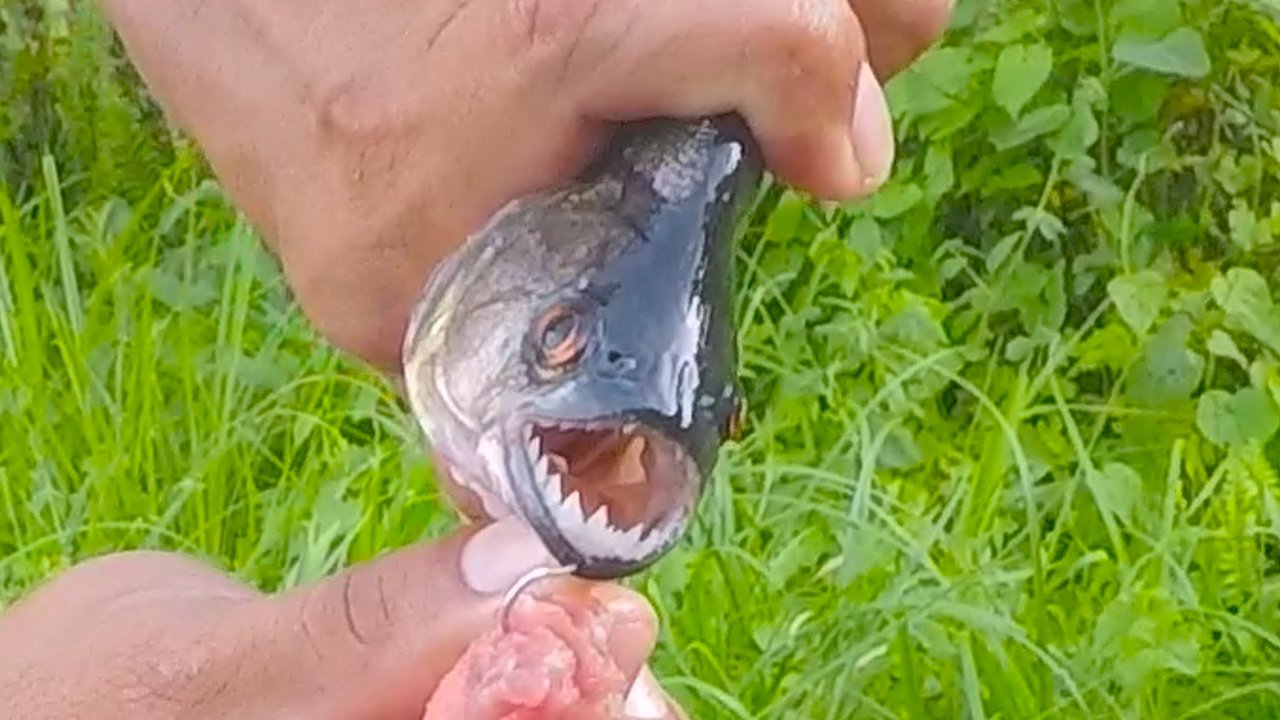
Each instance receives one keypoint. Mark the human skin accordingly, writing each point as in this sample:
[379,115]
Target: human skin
[364,147]
[157,636]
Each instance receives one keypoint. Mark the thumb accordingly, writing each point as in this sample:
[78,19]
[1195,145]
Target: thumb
[374,640]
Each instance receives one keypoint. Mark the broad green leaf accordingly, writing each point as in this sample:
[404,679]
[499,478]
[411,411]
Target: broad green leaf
[1079,134]
[1137,97]
[1102,192]
[1148,18]
[1036,292]
[915,326]
[865,238]
[998,254]
[1222,345]
[1111,346]
[1116,488]
[1015,177]
[1247,231]
[1021,70]
[949,121]
[1235,420]
[1079,17]
[1040,121]
[1147,149]
[939,79]
[939,173]
[1041,222]
[1235,174]
[1244,295]
[1180,53]
[895,198]
[1013,26]
[1169,370]
[787,217]
[1138,299]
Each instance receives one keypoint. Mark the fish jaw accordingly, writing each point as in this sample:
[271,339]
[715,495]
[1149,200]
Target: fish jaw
[607,517]
[608,497]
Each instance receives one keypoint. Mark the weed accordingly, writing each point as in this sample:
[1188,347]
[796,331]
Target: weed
[1012,445]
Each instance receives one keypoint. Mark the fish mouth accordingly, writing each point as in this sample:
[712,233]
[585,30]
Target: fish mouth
[607,496]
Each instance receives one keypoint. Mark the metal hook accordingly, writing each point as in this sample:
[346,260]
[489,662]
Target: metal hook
[524,583]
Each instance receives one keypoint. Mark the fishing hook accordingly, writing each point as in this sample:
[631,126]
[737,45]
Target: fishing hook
[524,583]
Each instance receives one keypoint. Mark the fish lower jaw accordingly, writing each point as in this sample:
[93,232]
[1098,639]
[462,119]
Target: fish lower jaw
[596,536]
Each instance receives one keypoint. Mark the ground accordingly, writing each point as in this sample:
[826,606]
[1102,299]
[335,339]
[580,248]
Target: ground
[1011,439]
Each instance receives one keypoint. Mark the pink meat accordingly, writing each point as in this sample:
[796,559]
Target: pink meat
[552,663]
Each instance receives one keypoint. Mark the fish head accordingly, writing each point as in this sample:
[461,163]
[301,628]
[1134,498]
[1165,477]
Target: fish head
[574,363]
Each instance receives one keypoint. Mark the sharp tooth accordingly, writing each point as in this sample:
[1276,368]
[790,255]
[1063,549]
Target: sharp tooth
[632,536]
[573,503]
[540,469]
[657,535]
[553,487]
[534,446]
[568,519]
[600,520]
[599,532]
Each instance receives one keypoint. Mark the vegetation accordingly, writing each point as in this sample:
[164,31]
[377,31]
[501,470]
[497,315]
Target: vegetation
[1013,422]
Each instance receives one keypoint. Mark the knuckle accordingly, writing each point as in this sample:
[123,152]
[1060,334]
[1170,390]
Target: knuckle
[359,124]
[352,611]
[365,608]
[346,113]
[552,28]
[176,676]
[808,48]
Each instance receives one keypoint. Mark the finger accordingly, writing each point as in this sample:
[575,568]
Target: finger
[899,32]
[375,640]
[626,618]
[409,152]
[104,587]
[628,622]
[647,700]
[568,650]
[792,68]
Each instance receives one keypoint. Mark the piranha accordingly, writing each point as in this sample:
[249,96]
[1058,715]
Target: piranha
[573,363]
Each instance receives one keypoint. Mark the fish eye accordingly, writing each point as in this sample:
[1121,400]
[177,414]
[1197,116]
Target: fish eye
[559,337]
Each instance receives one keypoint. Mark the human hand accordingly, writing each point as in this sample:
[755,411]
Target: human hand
[365,144]
[147,636]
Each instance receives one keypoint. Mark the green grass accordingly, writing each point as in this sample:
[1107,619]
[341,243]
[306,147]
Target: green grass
[1013,422]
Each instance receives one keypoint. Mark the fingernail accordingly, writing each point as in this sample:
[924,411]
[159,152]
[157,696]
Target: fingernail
[872,132]
[631,625]
[498,555]
[646,698]
[625,606]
